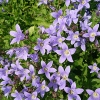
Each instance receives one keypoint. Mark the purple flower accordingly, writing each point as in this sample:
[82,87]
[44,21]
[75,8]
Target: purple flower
[31,96]
[42,88]
[22,53]
[16,67]
[17,34]
[34,57]
[73,92]
[17,95]
[72,15]
[42,2]
[4,72]
[65,53]
[94,68]
[6,89]
[23,73]
[86,17]
[43,45]
[83,3]
[73,37]
[64,76]
[42,29]
[84,25]
[57,40]
[6,80]
[57,15]
[10,52]
[67,2]
[54,80]
[35,79]
[81,43]
[98,6]
[52,29]
[94,95]
[46,69]
[92,33]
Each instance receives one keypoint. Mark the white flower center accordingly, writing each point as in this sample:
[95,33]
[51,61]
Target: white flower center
[41,44]
[67,52]
[75,36]
[61,17]
[7,71]
[95,95]
[71,92]
[43,87]
[33,76]
[65,77]
[94,67]
[60,40]
[58,73]
[83,2]
[33,96]
[93,34]
[54,80]
[45,69]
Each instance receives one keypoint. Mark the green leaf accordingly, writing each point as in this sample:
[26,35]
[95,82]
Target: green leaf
[31,30]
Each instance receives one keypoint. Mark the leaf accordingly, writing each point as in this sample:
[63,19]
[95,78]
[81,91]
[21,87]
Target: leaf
[31,30]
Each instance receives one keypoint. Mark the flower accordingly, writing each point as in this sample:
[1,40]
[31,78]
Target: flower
[73,36]
[17,95]
[67,2]
[42,2]
[94,68]
[94,95]
[17,34]
[6,89]
[64,76]
[46,69]
[23,73]
[73,92]
[31,96]
[92,33]
[43,45]
[72,15]
[54,80]
[83,3]
[81,43]
[65,53]
[42,88]
[34,57]
[22,53]
[35,79]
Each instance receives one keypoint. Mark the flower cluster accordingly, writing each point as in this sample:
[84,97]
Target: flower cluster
[66,38]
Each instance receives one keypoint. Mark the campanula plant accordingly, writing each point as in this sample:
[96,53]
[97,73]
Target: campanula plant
[56,54]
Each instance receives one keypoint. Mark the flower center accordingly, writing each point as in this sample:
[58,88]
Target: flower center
[66,52]
[61,17]
[75,36]
[33,96]
[58,73]
[71,92]
[83,2]
[33,76]
[43,87]
[95,95]
[92,34]
[94,67]
[45,69]
[60,40]
[65,77]
[41,44]
[7,71]
[54,81]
